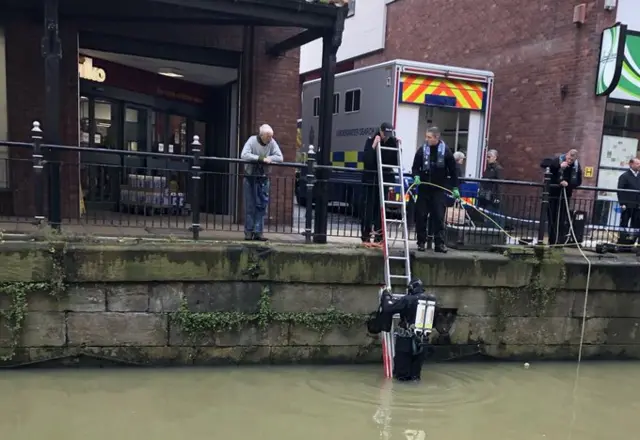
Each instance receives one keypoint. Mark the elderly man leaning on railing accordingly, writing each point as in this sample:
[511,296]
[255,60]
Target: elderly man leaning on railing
[261,150]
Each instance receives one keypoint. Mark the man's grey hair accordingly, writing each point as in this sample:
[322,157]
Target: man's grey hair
[492,153]
[573,153]
[458,155]
[266,129]
[434,131]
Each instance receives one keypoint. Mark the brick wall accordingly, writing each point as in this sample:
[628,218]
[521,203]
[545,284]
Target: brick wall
[533,48]
[26,103]
[276,103]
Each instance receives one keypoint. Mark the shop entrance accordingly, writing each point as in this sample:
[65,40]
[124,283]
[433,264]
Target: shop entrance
[136,109]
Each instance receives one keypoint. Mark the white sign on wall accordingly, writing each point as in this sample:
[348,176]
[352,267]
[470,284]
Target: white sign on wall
[614,160]
[617,151]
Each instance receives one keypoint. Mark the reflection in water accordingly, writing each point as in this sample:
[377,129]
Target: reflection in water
[456,401]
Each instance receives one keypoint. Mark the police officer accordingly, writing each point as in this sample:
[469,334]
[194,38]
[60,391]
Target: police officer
[371,196]
[566,175]
[433,163]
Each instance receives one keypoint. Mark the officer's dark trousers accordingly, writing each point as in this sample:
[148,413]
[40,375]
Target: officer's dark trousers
[431,202]
[558,219]
[408,360]
[371,211]
[630,218]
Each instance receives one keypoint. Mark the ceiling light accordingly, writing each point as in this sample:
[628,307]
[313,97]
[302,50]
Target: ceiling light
[627,106]
[171,73]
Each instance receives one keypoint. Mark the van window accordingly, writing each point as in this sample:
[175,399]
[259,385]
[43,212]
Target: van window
[336,103]
[316,106]
[352,101]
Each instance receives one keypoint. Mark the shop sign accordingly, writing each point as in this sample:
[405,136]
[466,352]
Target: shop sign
[612,45]
[87,71]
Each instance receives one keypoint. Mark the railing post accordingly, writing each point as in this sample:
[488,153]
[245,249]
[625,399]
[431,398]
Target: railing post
[308,221]
[195,188]
[544,206]
[38,166]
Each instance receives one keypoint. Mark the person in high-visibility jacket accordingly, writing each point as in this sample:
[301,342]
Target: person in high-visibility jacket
[434,164]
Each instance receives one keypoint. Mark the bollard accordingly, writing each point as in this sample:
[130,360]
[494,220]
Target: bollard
[308,221]
[544,206]
[195,187]
[38,166]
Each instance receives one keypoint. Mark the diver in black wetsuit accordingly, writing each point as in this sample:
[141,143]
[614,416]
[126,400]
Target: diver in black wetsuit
[411,338]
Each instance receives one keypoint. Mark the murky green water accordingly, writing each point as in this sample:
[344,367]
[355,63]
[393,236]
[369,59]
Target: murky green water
[454,401]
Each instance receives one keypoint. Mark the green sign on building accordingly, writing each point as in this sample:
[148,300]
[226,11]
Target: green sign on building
[619,64]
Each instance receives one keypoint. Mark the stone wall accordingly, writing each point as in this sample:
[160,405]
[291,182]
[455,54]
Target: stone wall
[234,303]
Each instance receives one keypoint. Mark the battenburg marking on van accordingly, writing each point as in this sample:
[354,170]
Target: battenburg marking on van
[442,92]
[348,159]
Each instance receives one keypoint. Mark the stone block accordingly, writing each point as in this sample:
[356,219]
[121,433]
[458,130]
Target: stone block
[165,298]
[85,298]
[223,296]
[604,304]
[357,299]
[128,298]
[302,335]
[470,301]
[231,355]
[40,329]
[112,329]
[527,303]
[514,330]
[623,331]
[275,334]
[528,352]
[294,298]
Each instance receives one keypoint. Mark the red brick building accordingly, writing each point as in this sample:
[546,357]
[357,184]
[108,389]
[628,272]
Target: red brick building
[128,78]
[544,64]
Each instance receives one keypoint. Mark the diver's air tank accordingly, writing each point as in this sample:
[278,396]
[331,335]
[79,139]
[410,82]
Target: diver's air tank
[424,317]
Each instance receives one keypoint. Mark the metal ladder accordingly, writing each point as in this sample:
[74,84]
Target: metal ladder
[394,254]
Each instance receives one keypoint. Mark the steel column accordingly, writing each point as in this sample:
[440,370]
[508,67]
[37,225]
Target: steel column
[52,53]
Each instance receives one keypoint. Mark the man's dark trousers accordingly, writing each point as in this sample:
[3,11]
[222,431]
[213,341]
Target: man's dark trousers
[371,211]
[432,202]
[558,219]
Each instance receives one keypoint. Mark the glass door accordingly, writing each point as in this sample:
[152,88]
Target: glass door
[99,172]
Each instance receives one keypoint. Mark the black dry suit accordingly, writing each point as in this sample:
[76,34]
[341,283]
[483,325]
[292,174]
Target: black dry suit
[410,349]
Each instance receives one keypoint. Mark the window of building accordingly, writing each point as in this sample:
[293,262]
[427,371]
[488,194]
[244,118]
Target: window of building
[336,103]
[621,118]
[352,8]
[316,106]
[352,101]
[4,150]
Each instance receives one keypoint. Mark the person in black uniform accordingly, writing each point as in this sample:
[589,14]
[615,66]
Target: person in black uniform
[566,175]
[371,202]
[411,347]
[629,202]
[433,163]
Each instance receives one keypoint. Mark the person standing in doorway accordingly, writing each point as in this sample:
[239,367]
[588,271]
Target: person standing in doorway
[433,167]
[489,194]
[261,150]
[566,175]
[459,158]
[371,203]
[629,202]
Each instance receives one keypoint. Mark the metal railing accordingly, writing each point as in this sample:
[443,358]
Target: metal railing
[195,194]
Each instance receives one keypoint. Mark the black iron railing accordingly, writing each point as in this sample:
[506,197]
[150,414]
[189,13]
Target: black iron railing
[199,195]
